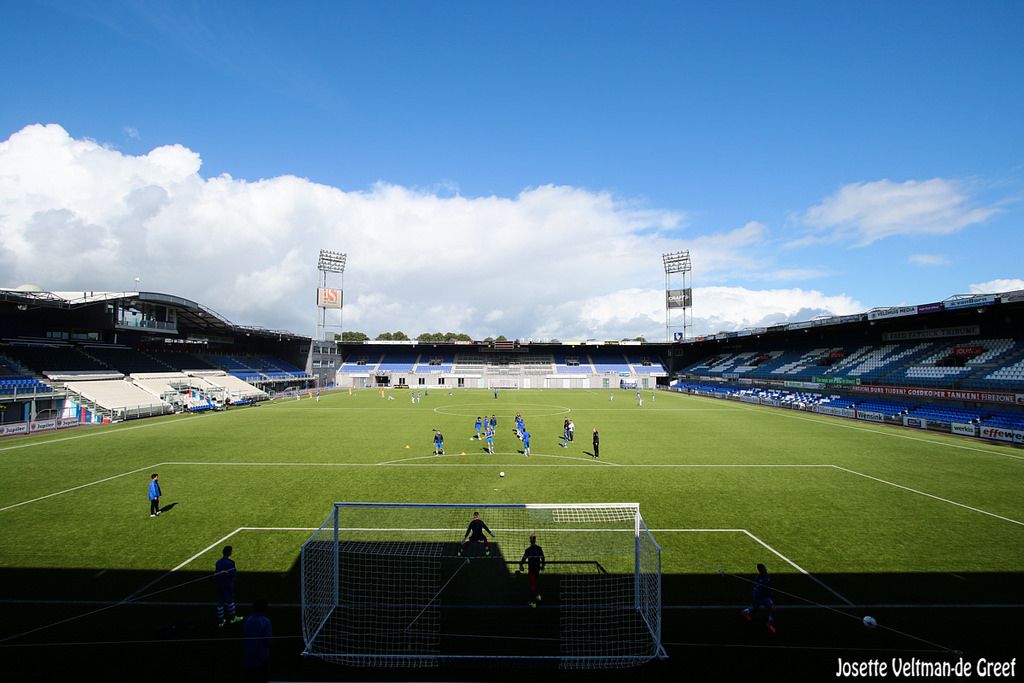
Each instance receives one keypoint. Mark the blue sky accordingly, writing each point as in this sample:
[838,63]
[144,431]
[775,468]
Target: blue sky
[870,153]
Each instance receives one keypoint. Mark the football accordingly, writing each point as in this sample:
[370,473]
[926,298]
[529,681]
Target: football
[501,474]
[869,622]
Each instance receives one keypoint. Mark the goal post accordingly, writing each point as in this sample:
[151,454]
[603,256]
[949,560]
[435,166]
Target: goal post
[400,585]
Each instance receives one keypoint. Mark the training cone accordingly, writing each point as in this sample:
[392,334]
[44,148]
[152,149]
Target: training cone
[462,453]
[406,445]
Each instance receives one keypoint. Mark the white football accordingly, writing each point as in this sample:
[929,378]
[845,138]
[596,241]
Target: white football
[501,474]
[869,622]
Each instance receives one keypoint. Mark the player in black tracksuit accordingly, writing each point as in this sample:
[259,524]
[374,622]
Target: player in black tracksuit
[475,532]
[597,443]
[534,557]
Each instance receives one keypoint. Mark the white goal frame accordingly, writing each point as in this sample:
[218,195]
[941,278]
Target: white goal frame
[361,583]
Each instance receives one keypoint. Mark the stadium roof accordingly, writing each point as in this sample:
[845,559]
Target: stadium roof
[191,314]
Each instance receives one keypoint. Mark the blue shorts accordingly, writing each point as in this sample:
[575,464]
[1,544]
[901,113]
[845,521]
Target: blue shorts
[439,444]
[490,441]
[225,596]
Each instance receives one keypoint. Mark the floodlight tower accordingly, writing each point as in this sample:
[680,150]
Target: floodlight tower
[330,262]
[680,297]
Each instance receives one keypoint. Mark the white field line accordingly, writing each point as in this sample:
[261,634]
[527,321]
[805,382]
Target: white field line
[929,495]
[101,430]
[800,569]
[893,434]
[515,464]
[595,461]
[75,488]
[298,605]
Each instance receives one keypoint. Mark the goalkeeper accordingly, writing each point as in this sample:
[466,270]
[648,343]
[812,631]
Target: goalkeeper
[534,558]
[475,532]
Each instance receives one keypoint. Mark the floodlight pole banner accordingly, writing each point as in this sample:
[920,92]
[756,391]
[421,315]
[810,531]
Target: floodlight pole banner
[328,297]
[678,295]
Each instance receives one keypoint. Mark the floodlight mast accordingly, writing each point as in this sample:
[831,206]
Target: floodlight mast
[330,262]
[677,269]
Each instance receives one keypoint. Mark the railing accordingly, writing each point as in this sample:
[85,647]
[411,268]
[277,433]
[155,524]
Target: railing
[18,392]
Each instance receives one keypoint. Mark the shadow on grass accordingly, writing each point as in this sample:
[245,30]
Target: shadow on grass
[483,611]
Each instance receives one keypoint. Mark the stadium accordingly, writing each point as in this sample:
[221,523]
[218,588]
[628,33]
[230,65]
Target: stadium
[870,461]
[576,341]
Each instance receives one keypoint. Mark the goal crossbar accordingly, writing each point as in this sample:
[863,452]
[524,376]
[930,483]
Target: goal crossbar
[388,584]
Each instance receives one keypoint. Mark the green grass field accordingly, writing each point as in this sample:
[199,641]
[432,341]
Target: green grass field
[857,517]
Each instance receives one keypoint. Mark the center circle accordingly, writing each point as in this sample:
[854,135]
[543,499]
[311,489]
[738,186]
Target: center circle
[452,410]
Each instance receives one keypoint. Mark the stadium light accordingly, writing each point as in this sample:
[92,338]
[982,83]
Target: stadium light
[676,262]
[331,261]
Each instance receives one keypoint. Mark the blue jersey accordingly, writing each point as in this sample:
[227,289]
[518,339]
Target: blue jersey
[226,572]
[526,439]
[154,489]
[762,591]
[477,425]
[438,439]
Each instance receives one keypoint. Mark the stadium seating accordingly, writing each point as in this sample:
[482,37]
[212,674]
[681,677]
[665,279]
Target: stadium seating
[52,358]
[122,398]
[398,361]
[435,361]
[125,359]
[609,362]
[645,365]
[14,385]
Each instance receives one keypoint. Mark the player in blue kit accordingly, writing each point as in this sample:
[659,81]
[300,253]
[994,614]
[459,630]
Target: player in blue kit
[438,443]
[526,442]
[762,598]
[225,572]
[490,440]
[478,425]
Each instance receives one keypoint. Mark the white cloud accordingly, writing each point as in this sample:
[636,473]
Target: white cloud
[131,133]
[552,261]
[996,286]
[928,260]
[866,212]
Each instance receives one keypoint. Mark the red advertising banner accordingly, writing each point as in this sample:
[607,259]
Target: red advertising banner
[947,394]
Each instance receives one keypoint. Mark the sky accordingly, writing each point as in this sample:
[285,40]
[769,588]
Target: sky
[514,168]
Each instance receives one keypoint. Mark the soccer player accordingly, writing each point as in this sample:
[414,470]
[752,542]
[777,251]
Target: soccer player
[225,572]
[762,597]
[475,532]
[534,557]
[478,425]
[257,633]
[597,444]
[317,395]
[611,395]
[494,422]
[526,442]
[495,392]
[154,495]
[572,431]
[438,443]
[490,440]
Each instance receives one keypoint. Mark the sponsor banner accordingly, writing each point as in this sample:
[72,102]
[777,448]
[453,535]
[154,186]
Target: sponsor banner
[914,422]
[947,394]
[969,302]
[856,318]
[67,422]
[677,336]
[18,428]
[43,425]
[678,298]
[838,412]
[938,333]
[891,312]
[870,416]
[964,429]
[750,399]
[730,375]
[743,333]
[1010,297]
[1000,434]
[328,298]
[930,308]
[798,326]
[838,381]
[746,380]
[801,385]
[770,402]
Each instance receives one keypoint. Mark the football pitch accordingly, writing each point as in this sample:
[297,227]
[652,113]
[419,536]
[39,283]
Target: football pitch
[925,532]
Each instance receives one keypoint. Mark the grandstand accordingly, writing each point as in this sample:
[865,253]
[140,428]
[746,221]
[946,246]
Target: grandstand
[110,356]
[958,369]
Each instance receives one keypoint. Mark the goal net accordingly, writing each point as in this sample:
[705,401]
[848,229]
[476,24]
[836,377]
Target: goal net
[395,585]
